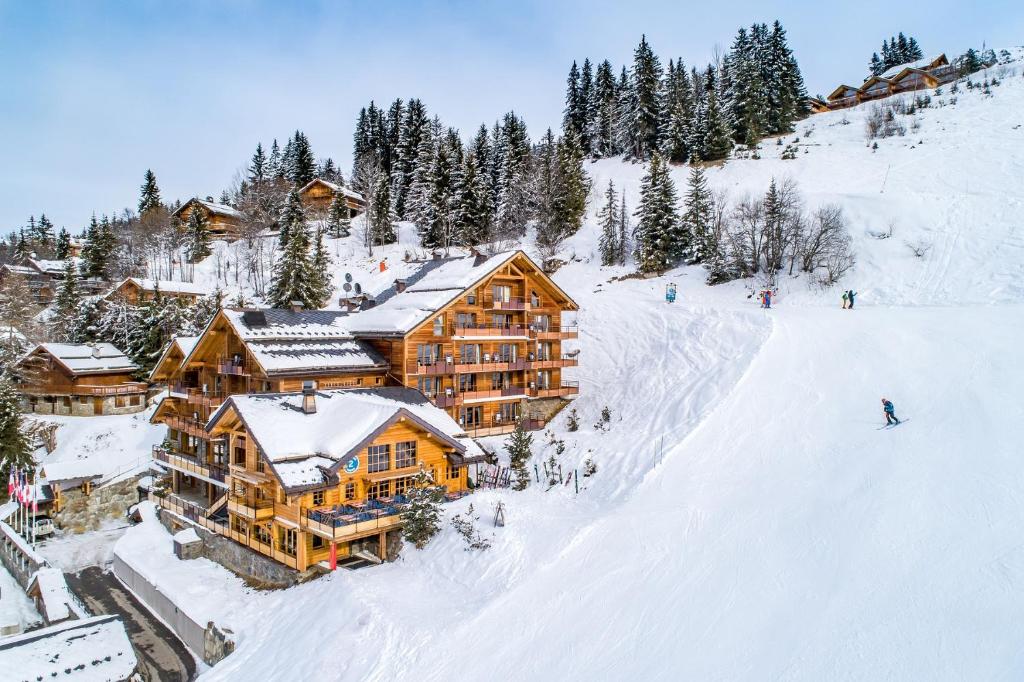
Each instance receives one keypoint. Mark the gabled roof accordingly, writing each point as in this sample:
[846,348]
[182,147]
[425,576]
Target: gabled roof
[284,357]
[183,344]
[214,208]
[52,267]
[443,283]
[86,358]
[872,80]
[841,91]
[335,188]
[925,63]
[278,324]
[168,286]
[305,450]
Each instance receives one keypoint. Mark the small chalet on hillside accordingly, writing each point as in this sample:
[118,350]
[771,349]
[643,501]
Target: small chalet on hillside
[922,74]
[317,195]
[81,380]
[221,220]
[43,278]
[135,290]
[321,476]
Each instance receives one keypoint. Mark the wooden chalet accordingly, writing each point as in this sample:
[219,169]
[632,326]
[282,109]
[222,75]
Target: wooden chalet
[318,194]
[816,105]
[80,380]
[43,278]
[221,220]
[321,476]
[135,290]
[922,74]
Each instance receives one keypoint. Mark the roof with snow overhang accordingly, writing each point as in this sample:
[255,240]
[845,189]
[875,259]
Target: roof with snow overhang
[335,188]
[212,207]
[86,358]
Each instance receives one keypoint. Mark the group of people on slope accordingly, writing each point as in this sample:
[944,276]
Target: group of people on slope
[848,299]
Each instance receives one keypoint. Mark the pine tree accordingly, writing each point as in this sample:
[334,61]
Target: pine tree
[519,450]
[293,277]
[680,112]
[646,95]
[65,304]
[913,50]
[717,141]
[302,166]
[573,186]
[602,141]
[608,219]
[198,231]
[95,253]
[44,234]
[292,214]
[697,218]
[338,220]
[414,126]
[275,165]
[657,232]
[323,287]
[258,167]
[588,107]
[624,230]
[382,229]
[150,194]
[474,210]
[62,250]
[421,520]
[875,67]
[624,107]
[573,115]
[15,449]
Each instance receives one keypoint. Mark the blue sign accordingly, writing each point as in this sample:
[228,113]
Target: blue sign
[352,465]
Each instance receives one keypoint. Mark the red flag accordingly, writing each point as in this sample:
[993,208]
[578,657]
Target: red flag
[10,483]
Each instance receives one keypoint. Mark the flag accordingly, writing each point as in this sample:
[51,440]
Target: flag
[33,495]
[10,483]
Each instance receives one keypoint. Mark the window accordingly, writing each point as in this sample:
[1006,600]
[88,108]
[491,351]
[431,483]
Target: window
[261,534]
[470,416]
[378,458]
[136,400]
[428,353]
[469,353]
[403,484]
[544,350]
[379,489]
[318,542]
[120,401]
[318,498]
[534,299]
[288,541]
[465,319]
[544,379]
[428,386]
[507,413]
[453,472]
[542,323]
[439,325]
[467,382]
[350,491]
[501,320]
[405,454]
[501,293]
[507,352]
[471,297]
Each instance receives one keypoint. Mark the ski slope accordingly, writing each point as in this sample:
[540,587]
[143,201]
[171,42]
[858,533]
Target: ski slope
[748,520]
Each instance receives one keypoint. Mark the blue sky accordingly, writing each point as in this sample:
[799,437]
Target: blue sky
[93,93]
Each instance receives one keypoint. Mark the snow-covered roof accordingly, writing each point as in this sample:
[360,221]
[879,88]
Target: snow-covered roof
[72,469]
[93,649]
[185,343]
[53,591]
[277,357]
[334,187]
[23,270]
[277,324]
[52,267]
[212,207]
[442,283]
[89,358]
[301,447]
[918,64]
[167,286]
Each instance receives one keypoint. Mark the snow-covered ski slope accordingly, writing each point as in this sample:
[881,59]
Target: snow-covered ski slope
[748,519]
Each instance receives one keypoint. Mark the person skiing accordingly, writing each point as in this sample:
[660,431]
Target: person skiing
[890,412]
[844,300]
[767,298]
[849,295]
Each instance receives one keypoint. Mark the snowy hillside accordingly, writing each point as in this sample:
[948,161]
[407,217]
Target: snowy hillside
[749,519]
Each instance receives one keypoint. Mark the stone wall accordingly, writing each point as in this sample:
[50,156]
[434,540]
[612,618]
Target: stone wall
[545,408]
[81,512]
[81,406]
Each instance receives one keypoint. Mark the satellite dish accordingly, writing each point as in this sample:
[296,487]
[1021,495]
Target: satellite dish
[348,276]
[359,289]
[346,286]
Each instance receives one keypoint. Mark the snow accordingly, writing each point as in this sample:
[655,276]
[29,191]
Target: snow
[16,608]
[215,208]
[297,444]
[186,536]
[72,470]
[918,64]
[90,650]
[53,591]
[334,187]
[167,286]
[292,356]
[71,552]
[287,324]
[89,358]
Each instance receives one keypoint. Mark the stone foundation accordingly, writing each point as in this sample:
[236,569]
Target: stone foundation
[545,408]
[80,512]
[83,406]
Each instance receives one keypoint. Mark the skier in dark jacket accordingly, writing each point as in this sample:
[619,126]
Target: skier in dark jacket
[849,296]
[890,412]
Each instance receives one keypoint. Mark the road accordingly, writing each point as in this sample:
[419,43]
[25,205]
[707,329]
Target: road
[162,656]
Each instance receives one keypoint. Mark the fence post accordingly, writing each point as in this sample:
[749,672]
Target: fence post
[576,478]
[537,473]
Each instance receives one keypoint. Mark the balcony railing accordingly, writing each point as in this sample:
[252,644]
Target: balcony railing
[129,388]
[498,425]
[232,367]
[512,303]
[251,508]
[564,389]
[490,363]
[505,392]
[187,425]
[554,332]
[566,360]
[190,464]
[208,399]
[495,330]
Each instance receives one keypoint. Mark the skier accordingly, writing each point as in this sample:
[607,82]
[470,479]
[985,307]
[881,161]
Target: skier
[849,295]
[767,298]
[890,412]
[844,300]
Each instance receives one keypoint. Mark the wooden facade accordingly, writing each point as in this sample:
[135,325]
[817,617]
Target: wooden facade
[134,291]
[79,380]
[221,220]
[924,74]
[317,195]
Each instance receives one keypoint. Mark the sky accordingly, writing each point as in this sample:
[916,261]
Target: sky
[94,93]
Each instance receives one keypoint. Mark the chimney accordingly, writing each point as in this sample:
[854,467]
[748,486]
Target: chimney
[400,285]
[296,306]
[308,398]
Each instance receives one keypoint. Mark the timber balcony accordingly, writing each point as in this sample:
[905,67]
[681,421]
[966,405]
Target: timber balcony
[512,303]
[490,330]
[232,367]
[207,399]
[344,521]
[452,398]
[252,508]
[130,388]
[192,427]
[463,365]
[190,464]
[554,333]
[566,360]
[563,390]
[497,426]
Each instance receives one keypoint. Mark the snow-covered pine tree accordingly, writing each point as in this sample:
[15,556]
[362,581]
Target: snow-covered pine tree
[43,236]
[414,126]
[391,135]
[338,220]
[95,253]
[645,127]
[717,141]
[545,191]
[303,164]
[573,186]
[680,113]
[744,92]
[608,219]
[65,304]
[198,235]
[657,231]
[293,277]
[604,111]
[913,50]
[323,285]
[697,217]
[512,158]
[257,171]
[421,520]
[275,165]
[149,194]
[519,446]
[588,106]
[625,106]
[624,231]
[572,115]
[787,96]
[62,248]
[15,449]
[382,227]
[85,327]
[292,213]
[418,205]
[875,67]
